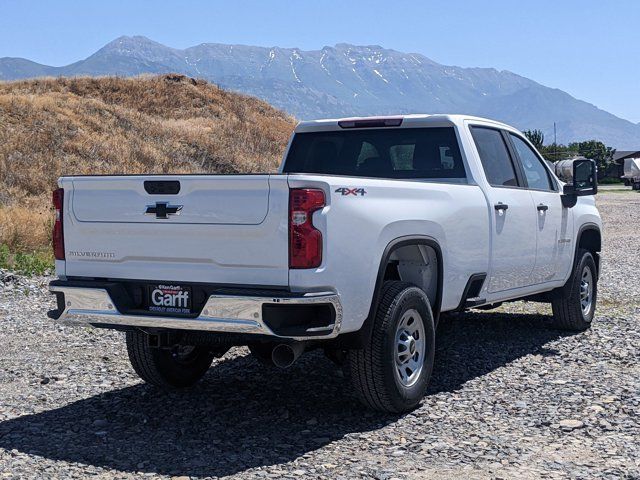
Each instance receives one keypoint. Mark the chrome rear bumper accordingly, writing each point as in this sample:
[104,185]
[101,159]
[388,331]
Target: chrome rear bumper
[221,313]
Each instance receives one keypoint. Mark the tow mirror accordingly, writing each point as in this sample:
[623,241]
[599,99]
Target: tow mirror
[583,181]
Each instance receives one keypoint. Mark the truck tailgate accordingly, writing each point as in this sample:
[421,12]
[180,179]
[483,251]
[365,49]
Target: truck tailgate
[215,229]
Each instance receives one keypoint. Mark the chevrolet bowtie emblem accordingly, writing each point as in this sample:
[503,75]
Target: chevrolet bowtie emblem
[163,210]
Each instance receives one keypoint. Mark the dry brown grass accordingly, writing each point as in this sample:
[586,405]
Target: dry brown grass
[161,124]
[25,229]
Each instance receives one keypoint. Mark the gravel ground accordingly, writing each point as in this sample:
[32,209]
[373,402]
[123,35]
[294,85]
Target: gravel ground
[510,398]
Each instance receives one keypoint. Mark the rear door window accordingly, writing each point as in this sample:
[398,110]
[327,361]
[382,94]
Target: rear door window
[494,156]
[426,153]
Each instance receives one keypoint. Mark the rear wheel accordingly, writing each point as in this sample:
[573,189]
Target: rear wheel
[391,373]
[575,309]
[169,368]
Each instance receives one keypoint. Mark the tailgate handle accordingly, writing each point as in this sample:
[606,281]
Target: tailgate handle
[162,187]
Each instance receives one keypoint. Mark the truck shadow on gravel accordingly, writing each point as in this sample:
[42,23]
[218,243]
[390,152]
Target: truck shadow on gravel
[244,415]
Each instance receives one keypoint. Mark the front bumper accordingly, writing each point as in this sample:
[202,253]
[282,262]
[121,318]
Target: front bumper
[246,314]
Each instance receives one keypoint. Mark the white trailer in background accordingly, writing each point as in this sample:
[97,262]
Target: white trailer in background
[632,173]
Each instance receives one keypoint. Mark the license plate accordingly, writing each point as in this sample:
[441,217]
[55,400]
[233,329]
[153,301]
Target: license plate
[169,298]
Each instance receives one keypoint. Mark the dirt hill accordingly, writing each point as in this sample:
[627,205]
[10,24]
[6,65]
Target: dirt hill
[161,124]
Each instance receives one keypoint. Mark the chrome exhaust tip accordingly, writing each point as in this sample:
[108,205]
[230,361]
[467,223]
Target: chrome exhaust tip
[285,354]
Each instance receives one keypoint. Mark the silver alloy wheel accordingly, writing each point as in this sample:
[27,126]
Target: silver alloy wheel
[409,348]
[586,291]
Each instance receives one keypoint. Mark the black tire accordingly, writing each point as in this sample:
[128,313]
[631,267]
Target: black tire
[167,368]
[373,370]
[568,311]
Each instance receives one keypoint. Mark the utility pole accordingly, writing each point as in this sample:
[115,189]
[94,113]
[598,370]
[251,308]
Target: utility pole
[555,142]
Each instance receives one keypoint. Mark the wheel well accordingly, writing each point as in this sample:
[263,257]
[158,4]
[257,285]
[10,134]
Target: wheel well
[417,260]
[417,264]
[590,239]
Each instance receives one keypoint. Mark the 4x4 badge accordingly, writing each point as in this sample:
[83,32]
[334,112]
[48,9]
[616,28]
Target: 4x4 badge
[163,210]
[351,191]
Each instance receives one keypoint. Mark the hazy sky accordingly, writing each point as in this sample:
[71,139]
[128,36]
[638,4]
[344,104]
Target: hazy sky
[589,48]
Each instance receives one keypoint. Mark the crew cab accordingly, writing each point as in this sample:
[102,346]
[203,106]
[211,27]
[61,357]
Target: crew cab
[371,229]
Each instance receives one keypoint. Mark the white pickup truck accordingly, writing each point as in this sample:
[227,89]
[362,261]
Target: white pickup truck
[371,229]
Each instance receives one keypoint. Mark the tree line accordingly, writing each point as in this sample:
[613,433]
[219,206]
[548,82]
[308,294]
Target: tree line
[593,149]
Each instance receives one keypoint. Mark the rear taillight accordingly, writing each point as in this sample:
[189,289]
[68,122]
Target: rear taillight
[58,233]
[305,241]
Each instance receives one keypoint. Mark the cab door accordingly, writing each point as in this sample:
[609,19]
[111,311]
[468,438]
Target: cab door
[511,211]
[554,223]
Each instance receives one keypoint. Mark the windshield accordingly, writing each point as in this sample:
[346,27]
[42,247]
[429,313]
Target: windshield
[429,153]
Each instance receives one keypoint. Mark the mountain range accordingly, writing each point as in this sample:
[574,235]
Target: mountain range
[346,80]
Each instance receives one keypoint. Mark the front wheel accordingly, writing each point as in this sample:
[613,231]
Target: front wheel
[391,373]
[575,308]
[169,368]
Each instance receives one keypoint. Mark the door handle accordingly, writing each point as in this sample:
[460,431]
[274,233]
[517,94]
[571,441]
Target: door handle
[500,206]
[542,207]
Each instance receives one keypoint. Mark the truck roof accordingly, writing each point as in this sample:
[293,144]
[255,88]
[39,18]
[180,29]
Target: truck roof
[408,121]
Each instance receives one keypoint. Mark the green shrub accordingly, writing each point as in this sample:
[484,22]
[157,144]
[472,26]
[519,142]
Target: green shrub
[610,181]
[30,263]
